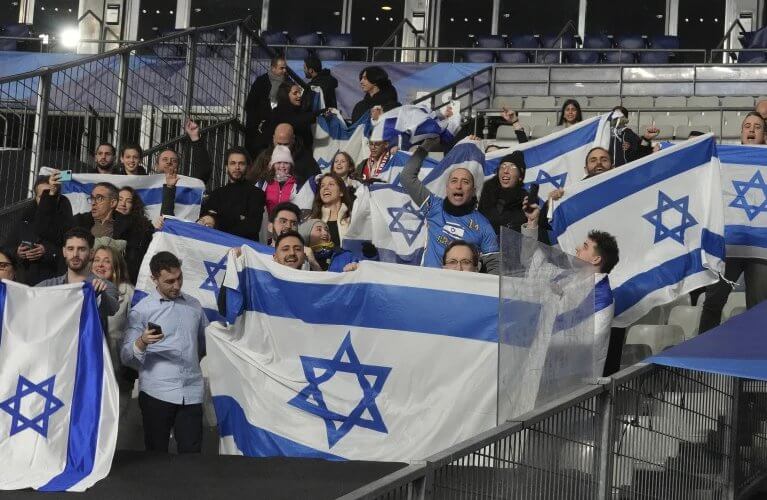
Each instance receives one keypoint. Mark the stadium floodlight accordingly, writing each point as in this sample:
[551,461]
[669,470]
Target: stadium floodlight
[70,37]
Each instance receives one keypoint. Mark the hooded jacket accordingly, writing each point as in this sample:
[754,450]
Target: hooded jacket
[328,84]
[386,97]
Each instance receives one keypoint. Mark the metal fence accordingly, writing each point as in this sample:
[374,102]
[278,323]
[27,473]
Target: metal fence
[648,432]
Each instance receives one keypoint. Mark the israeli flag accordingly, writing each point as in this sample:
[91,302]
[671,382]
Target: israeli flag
[203,255]
[316,365]
[558,159]
[332,134]
[665,210]
[58,394]
[385,215]
[415,123]
[744,187]
[189,192]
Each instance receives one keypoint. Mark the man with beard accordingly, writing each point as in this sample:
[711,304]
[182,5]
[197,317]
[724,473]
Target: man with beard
[454,217]
[238,206]
[289,250]
[283,218]
[104,159]
[77,252]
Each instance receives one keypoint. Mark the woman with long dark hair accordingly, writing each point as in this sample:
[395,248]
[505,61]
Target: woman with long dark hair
[131,206]
[333,205]
[290,109]
[378,89]
[570,114]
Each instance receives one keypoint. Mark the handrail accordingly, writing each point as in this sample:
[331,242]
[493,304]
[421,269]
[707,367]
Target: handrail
[261,43]
[726,37]
[405,22]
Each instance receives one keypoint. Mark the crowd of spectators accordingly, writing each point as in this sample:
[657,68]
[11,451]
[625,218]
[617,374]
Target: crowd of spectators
[106,246]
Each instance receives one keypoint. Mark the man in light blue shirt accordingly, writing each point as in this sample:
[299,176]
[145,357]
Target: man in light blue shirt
[165,341]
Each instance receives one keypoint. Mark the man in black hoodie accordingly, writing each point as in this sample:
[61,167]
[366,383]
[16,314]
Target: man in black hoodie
[239,206]
[322,79]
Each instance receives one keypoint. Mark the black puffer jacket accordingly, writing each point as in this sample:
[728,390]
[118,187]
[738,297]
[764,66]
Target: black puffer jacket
[385,97]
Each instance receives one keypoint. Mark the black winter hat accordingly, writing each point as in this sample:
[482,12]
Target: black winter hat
[518,159]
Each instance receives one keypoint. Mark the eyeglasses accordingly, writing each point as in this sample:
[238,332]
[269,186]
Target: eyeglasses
[4,266]
[462,262]
[287,222]
[99,198]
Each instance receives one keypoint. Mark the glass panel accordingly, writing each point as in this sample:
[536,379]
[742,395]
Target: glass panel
[207,12]
[701,24]
[299,17]
[9,13]
[626,18]
[461,21]
[373,21]
[155,18]
[530,19]
[548,345]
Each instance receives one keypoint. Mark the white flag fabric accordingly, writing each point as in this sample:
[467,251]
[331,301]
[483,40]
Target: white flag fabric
[666,212]
[202,252]
[386,363]
[189,192]
[558,159]
[58,394]
[332,134]
[744,187]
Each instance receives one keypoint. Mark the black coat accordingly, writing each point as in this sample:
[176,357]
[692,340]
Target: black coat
[386,98]
[294,115]
[257,109]
[636,149]
[239,207]
[46,224]
[328,84]
[502,207]
[136,231]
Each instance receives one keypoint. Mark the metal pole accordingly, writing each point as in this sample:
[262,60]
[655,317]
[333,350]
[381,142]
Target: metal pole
[41,119]
[191,52]
[122,90]
[237,83]
[606,439]
[733,472]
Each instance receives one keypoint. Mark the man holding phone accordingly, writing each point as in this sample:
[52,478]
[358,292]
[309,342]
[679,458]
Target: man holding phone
[165,341]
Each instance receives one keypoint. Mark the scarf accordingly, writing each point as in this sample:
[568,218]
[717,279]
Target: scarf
[374,167]
[501,199]
[276,81]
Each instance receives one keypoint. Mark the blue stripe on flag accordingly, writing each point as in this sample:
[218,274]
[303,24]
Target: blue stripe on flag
[209,235]
[748,236]
[150,196]
[254,441]
[552,149]
[85,410]
[743,155]
[669,273]
[337,128]
[274,296]
[628,183]
[3,289]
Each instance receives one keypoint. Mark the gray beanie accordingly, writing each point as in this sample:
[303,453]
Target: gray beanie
[305,229]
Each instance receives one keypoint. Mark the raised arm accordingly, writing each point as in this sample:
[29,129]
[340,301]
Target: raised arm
[409,177]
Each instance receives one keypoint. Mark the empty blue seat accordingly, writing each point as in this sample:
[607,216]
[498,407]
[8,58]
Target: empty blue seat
[275,40]
[660,42]
[567,41]
[755,40]
[335,40]
[519,42]
[625,42]
[491,41]
[307,39]
[589,56]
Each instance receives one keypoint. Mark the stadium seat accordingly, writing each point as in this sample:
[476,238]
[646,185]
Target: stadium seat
[625,42]
[551,42]
[518,42]
[589,56]
[737,102]
[604,102]
[335,40]
[511,102]
[479,56]
[677,101]
[536,101]
[634,353]
[273,38]
[208,40]
[686,317]
[710,119]
[633,103]
[484,56]
[302,53]
[544,118]
[657,337]
[732,124]
[590,114]
[735,300]
[671,118]
[737,310]
[542,131]
[659,42]
[491,41]
[506,132]
[683,131]
[708,101]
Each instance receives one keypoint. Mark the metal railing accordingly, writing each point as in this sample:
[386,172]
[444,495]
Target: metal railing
[473,91]
[647,432]
[140,93]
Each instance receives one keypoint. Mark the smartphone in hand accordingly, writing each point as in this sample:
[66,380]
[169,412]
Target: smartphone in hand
[154,326]
[65,175]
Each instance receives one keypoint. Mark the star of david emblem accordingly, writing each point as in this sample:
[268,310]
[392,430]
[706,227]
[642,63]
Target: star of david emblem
[38,423]
[370,377]
[557,181]
[398,226]
[742,189]
[212,269]
[666,203]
